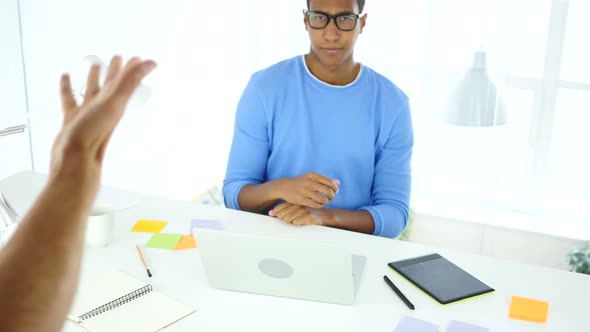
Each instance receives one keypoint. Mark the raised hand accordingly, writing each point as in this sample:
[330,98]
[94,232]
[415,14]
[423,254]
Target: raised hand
[87,128]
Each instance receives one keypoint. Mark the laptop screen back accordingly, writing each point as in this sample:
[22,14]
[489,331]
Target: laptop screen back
[279,267]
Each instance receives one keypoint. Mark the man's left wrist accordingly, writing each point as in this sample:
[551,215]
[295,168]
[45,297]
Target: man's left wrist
[327,217]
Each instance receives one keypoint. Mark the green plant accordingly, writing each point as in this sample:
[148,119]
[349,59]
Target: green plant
[579,259]
[405,236]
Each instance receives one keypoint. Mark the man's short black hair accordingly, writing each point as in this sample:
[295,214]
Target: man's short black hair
[360,2]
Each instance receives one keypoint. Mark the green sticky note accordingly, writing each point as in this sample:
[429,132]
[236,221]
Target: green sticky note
[164,241]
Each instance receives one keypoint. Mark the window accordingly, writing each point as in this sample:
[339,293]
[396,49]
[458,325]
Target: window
[535,164]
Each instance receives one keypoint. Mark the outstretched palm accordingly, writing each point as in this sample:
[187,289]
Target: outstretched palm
[88,127]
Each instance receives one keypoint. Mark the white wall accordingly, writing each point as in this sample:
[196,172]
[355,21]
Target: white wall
[476,238]
[14,150]
[177,145]
[155,144]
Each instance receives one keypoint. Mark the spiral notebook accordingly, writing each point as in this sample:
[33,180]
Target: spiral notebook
[114,301]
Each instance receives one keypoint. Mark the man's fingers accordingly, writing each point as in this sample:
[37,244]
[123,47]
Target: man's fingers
[92,82]
[135,71]
[132,62]
[280,207]
[283,209]
[325,181]
[337,184]
[317,197]
[114,68]
[320,188]
[313,204]
[328,183]
[68,102]
[300,220]
[109,105]
[289,213]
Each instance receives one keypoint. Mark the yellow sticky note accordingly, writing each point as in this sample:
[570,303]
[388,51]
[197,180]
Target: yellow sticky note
[187,242]
[528,309]
[149,226]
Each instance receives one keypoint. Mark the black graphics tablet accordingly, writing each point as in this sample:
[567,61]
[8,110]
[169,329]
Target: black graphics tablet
[439,278]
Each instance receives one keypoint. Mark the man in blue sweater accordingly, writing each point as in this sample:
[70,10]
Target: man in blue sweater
[321,139]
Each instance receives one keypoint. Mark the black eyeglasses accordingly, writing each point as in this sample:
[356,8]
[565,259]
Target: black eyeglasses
[320,20]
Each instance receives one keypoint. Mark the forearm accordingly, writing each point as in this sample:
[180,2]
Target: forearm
[358,221]
[41,263]
[259,198]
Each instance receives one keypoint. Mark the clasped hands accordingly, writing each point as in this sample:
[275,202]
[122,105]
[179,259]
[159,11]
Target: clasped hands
[304,197]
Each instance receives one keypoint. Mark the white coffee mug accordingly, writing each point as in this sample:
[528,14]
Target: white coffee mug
[101,226]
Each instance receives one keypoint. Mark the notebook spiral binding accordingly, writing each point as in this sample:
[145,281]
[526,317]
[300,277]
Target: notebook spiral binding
[116,303]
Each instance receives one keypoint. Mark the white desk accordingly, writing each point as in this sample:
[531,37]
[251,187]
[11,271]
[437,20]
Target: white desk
[179,275]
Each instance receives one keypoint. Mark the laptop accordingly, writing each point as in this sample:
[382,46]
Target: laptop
[279,267]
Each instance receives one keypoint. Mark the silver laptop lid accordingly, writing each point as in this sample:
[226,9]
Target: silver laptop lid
[279,267]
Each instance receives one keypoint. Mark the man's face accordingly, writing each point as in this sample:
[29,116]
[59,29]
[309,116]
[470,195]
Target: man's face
[331,45]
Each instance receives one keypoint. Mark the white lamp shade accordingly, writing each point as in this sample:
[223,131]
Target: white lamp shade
[476,101]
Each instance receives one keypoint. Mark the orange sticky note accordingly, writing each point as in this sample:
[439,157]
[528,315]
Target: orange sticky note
[187,242]
[149,226]
[528,309]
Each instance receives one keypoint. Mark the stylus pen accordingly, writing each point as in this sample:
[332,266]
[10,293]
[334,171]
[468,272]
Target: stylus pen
[399,293]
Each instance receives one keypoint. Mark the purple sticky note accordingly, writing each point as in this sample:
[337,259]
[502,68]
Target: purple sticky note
[457,326]
[409,324]
[205,223]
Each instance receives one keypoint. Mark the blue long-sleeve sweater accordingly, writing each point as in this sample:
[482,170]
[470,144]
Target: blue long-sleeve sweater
[289,123]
